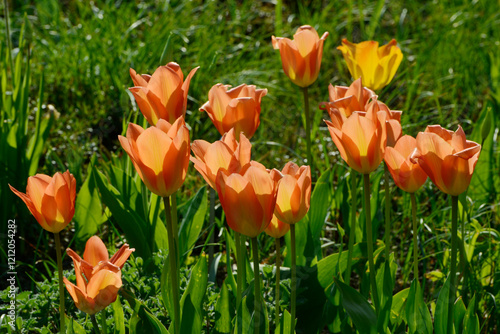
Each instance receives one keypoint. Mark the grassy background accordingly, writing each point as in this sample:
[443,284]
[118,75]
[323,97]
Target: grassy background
[449,76]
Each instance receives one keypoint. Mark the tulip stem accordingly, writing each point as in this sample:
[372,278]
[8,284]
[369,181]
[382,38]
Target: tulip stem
[173,256]
[453,269]
[294,279]
[239,283]
[257,297]
[415,230]
[94,324]
[369,238]
[61,284]
[352,227]
[387,213]
[211,193]
[175,225]
[277,299]
[308,127]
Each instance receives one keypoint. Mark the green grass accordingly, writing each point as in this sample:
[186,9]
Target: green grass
[449,76]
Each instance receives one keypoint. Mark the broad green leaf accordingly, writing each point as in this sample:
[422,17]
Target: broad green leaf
[471,320]
[223,312]
[118,317]
[165,287]
[386,280]
[142,320]
[192,223]
[284,324]
[417,312]
[134,227]
[398,306]
[197,285]
[191,321]
[360,311]
[441,313]
[73,327]
[459,314]
[88,208]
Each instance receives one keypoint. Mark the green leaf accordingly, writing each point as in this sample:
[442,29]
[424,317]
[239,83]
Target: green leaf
[73,327]
[197,285]
[398,306]
[471,320]
[165,287]
[88,208]
[285,323]
[192,222]
[360,311]
[134,227]
[441,313]
[191,321]
[118,317]
[386,280]
[143,320]
[417,313]
[459,314]
[223,312]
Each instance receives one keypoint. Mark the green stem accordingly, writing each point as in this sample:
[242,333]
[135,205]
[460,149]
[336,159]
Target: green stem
[387,213]
[453,270]
[175,224]
[9,41]
[94,324]
[352,227]
[211,193]
[415,230]
[174,270]
[257,296]
[294,279]
[277,299]
[308,127]
[61,284]
[239,283]
[369,238]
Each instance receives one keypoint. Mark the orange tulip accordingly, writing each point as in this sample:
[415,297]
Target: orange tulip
[276,228]
[361,138]
[348,99]
[447,157]
[98,279]
[237,108]
[226,154]
[162,95]
[376,65]
[248,198]
[160,154]
[50,199]
[407,175]
[393,120]
[96,257]
[293,198]
[301,58]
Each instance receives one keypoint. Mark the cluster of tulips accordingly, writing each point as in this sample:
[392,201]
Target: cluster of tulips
[256,199]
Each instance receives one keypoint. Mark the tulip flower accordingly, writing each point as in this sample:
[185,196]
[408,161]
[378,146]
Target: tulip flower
[98,278]
[376,65]
[51,200]
[348,99]
[162,95]
[96,257]
[276,228]
[361,138]
[226,154]
[447,158]
[393,120]
[237,108]
[248,198]
[293,198]
[407,175]
[160,154]
[301,57]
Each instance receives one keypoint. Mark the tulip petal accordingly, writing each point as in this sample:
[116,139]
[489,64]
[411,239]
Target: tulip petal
[95,251]
[122,256]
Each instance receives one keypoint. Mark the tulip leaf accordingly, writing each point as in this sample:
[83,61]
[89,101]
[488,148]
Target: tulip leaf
[441,313]
[191,321]
[398,306]
[165,286]
[192,222]
[417,312]
[73,327]
[197,285]
[134,227]
[88,208]
[284,325]
[386,280]
[459,315]
[118,317]
[360,311]
[223,312]
[142,320]
[471,320]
